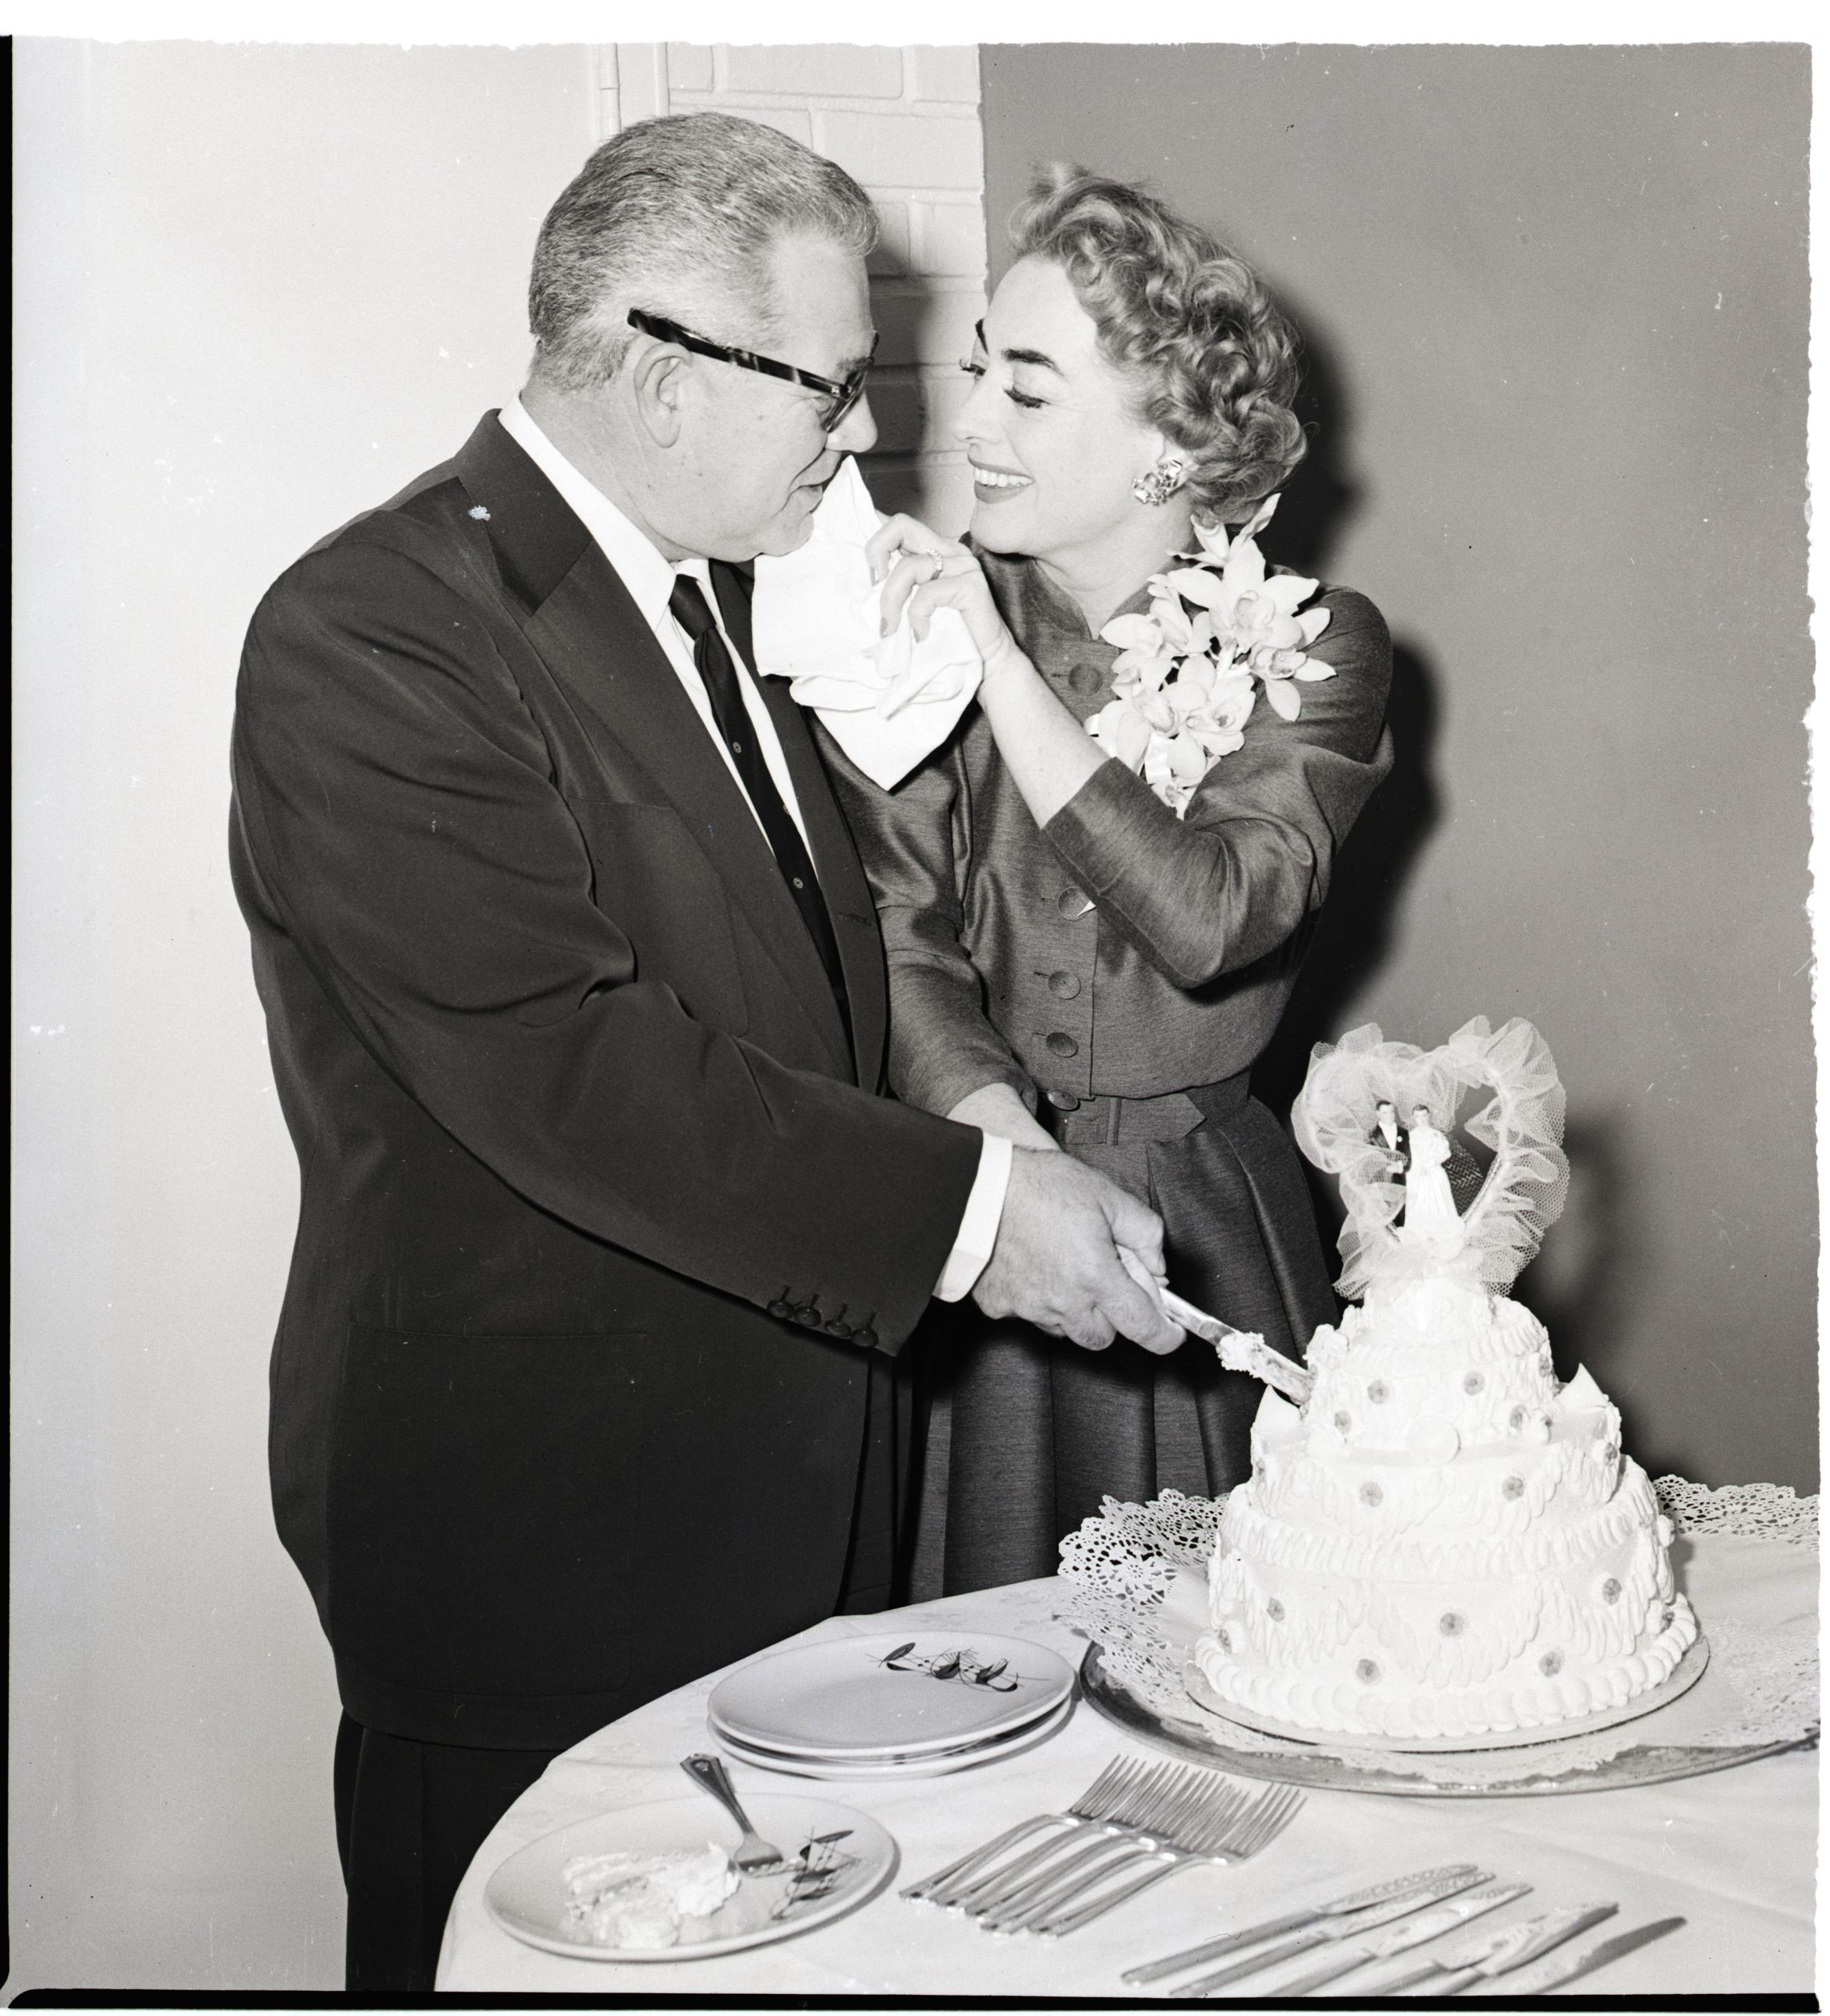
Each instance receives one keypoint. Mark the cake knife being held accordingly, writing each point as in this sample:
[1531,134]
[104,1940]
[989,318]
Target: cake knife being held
[1241,1351]
[1419,1931]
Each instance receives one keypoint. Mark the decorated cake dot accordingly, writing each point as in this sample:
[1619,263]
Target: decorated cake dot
[1451,1624]
[1344,1420]
[1378,1392]
[1370,1494]
[1224,1637]
[1432,1438]
[1514,1487]
[1368,1670]
[1551,1664]
[1611,1591]
[1515,1420]
[1666,1617]
[1274,1609]
[1609,1452]
[1473,1383]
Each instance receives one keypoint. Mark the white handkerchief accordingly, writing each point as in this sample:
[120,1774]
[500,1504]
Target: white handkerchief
[814,619]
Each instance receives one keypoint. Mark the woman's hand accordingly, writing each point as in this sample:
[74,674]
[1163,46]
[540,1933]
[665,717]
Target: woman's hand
[1044,747]
[923,572]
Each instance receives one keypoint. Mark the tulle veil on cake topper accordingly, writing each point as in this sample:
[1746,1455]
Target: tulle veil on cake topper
[1339,1125]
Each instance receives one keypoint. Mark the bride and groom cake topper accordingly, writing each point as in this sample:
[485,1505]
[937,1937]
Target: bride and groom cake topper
[1428,1162]
[1417,1202]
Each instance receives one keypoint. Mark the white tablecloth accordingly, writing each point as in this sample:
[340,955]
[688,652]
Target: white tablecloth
[1734,1853]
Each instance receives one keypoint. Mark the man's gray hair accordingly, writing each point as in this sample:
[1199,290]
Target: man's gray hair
[678,216]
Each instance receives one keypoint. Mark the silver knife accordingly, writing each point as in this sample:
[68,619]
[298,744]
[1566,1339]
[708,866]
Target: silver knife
[1345,1927]
[1417,1932]
[1241,1351]
[1214,1949]
[1548,1973]
[1511,1948]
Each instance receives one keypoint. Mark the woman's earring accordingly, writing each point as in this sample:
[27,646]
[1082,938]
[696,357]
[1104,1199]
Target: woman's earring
[1158,486]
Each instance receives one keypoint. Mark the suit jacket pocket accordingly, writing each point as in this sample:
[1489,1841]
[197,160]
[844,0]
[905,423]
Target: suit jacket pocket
[484,1513]
[654,883]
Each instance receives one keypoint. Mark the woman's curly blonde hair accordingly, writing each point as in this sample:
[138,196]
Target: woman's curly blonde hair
[1212,354]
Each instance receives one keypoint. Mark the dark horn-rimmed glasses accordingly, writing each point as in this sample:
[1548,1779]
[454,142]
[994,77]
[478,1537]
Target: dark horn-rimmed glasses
[837,398]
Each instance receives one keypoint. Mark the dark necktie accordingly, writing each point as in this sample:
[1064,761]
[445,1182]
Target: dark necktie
[692,613]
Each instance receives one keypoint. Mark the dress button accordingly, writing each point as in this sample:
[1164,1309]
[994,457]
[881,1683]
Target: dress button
[1062,1044]
[778,1307]
[1073,903]
[1064,1102]
[866,1337]
[1063,986]
[1085,678]
[836,1329]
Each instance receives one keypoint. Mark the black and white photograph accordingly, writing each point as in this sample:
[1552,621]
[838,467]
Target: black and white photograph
[914,1054]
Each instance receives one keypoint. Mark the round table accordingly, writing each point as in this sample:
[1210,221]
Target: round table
[1734,1853]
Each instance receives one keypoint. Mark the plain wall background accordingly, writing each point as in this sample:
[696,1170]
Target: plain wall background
[1557,301]
[259,290]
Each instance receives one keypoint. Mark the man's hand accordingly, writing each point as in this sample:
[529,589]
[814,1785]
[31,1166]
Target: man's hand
[1056,1262]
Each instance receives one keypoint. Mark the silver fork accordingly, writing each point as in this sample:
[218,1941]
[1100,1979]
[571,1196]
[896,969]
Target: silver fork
[1172,1799]
[753,1854]
[1020,1880]
[1233,1838]
[1101,1798]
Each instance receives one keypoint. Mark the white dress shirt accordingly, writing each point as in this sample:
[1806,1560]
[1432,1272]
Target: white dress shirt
[649,577]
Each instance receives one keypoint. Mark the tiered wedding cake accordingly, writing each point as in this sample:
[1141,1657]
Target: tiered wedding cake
[1440,1541]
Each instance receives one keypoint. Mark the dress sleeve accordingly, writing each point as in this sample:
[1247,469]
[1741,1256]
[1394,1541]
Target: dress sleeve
[1217,890]
[915,842]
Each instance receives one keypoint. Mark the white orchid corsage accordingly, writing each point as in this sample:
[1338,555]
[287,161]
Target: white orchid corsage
[1187,675]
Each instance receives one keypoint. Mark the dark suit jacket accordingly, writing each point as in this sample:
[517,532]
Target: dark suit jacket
[599,1221]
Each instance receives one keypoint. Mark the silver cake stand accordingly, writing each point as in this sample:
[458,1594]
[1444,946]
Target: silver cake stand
[1207,1736]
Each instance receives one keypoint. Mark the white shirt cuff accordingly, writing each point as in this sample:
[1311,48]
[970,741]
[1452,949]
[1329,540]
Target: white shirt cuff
[978,1224]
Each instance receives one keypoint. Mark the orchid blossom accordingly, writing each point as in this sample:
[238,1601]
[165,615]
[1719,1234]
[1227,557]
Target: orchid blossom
[1182,685]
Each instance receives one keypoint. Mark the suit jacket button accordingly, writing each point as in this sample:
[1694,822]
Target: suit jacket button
[866,1336]
[1073,903]
[778,1307]
[1064,1102]
[1064,986]
[835,1328]
[1062,1044]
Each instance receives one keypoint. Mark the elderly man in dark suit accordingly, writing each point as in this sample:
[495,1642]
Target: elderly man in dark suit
[576,1003]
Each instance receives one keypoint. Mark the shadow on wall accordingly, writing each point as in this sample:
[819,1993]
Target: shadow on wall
[1578,1286]
[1574,1288]
[1352,935]
[1323,497]
[921,324]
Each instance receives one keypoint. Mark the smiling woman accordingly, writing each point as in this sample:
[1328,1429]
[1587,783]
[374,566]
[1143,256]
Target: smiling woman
[1080,959]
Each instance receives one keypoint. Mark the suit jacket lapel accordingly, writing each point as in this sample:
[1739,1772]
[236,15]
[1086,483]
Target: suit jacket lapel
[594,639]
[829,839]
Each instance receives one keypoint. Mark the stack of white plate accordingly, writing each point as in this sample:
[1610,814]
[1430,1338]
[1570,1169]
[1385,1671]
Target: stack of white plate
[892,1706]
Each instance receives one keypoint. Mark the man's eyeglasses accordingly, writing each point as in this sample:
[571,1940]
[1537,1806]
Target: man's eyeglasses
[837,399]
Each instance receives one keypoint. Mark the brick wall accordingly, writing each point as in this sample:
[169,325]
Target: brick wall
[905,122]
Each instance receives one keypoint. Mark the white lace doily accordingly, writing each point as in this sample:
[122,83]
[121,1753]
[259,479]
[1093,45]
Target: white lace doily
[1135,1581]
